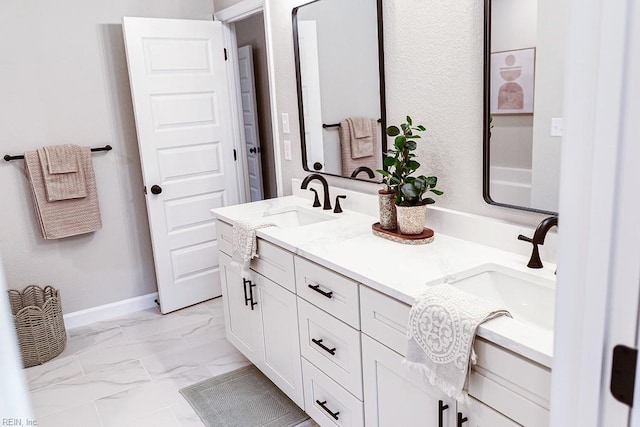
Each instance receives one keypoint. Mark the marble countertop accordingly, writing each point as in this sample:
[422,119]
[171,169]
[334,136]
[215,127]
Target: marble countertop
[346,245]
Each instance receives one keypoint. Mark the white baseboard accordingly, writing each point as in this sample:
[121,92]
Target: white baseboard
[109,311]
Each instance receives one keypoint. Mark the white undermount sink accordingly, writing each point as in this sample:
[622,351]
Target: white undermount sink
[295,216]
[529,298]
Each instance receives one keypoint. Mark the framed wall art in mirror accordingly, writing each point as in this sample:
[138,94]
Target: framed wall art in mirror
[340,81]
[523,86]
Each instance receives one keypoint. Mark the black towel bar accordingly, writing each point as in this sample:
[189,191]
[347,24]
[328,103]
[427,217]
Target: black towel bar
[8,158]
[335,125]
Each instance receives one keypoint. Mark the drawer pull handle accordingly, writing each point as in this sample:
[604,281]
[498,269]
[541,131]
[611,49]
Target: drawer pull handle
[333,414]
[461,419]
[331,351]
[441,408]
[320,291]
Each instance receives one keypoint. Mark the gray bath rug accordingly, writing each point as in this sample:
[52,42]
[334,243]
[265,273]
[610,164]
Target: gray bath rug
[242,398]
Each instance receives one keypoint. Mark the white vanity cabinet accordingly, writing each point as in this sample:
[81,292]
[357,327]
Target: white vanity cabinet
[261,317]
[506,390]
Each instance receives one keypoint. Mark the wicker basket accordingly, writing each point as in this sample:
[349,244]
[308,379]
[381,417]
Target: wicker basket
[37,314]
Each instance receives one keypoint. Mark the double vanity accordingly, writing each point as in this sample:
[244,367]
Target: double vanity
[324,317]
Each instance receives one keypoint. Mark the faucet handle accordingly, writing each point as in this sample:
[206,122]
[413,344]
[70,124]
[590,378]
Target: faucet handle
[338,209]
[525,238]
[316,200]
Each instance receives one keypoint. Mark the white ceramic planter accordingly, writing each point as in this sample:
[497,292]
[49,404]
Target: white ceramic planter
[411,219]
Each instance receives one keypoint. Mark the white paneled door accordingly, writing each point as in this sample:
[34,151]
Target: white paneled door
[250,116]
[182,110]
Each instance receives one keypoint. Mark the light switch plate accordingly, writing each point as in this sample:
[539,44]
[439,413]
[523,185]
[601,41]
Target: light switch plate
[557,126]
[287,149]
[285,123]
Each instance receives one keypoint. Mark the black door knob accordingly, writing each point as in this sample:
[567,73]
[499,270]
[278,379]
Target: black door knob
[156,189]
[252,150]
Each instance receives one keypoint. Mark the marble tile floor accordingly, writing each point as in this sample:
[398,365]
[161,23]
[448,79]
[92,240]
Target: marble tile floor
[127,371]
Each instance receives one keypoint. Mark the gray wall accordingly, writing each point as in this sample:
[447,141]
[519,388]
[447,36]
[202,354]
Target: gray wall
[63,79]
[250,31]
[433,62]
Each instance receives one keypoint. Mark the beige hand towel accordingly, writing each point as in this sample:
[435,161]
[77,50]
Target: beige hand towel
[441,331]
[362,136]
[64,176]
[64,218]
[349,163]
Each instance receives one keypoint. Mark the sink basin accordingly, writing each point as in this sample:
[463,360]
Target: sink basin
[295,216]
[529,298]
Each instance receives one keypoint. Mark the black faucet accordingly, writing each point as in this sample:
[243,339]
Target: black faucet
[365,169]
[325,186]
[538,239]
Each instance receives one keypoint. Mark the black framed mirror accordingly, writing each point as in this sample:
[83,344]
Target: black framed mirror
[523,86]
[339,64]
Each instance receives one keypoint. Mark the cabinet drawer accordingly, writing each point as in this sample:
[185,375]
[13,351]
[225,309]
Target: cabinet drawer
[480,415]
[275,264]
[517,408]
[224,233]
[384,318]
[513,371]
[331,345]
[272,262]
[328,290]
[323,395]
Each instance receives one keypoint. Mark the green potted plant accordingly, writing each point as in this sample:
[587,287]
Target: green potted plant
[409,190]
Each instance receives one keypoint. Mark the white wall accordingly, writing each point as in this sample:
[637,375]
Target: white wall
[550,59]
[222,4]
[64,79]
[433,62]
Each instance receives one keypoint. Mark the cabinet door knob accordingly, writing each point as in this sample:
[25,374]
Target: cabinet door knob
[461,419]
[441,408]
[253,150]
[156,189]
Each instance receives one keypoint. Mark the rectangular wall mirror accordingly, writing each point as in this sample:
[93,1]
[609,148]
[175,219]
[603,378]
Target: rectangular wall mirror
[523,86]
[340,80]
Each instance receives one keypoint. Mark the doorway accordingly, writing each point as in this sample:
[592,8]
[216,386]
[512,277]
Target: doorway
[260,170]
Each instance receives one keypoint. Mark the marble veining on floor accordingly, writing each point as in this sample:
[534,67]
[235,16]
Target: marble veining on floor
[127,371]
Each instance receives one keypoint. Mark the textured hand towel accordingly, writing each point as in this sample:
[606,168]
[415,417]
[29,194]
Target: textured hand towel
[349,164]
[245,244]
[362,132]
[64,218]
[61,158]
[64,176]
[441,331]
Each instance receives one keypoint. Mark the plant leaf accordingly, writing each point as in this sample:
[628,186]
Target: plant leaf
[432,181]
[421,128]
[438,192]
[414,136]
[410,145]
[413,164]
[393,131]
[409,120]
[389,161]
[399,142]
[429,201]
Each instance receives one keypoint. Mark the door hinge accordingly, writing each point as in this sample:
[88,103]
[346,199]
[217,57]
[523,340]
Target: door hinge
[225,54]
[145,189]
[623,373]
[235,155]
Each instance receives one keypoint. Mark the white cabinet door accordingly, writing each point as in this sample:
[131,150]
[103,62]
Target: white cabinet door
[478,414]
[281,343]
[242,324]
[395,398]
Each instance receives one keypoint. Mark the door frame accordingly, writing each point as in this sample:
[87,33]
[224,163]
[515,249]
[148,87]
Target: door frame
[229,16]
[597,292]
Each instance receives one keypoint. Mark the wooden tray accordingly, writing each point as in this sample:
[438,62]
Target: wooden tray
[423,238]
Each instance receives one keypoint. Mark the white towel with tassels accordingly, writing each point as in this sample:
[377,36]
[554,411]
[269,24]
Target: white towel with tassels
[441,331]
[245,244]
